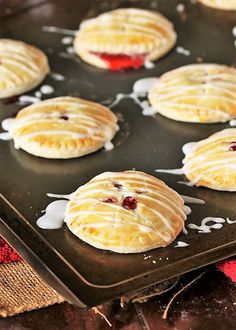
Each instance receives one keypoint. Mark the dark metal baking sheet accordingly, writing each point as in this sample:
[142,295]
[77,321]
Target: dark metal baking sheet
[83,274]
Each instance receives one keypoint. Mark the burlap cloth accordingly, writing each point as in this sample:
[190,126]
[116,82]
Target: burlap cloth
[21,290]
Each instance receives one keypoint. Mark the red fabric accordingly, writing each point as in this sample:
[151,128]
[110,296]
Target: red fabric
[228,267]
[7,254]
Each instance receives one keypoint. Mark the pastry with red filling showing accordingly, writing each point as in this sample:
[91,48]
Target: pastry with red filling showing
[126,212]
[124,39]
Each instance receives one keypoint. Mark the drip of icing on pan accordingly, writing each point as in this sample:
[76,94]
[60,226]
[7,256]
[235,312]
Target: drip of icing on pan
[139,91]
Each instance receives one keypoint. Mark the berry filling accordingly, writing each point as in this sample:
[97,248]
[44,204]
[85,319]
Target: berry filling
[129,203]
[118,186]
[118,62]
[64,117]
[232,146]
[110,200]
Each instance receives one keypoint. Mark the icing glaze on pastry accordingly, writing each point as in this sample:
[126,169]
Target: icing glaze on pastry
[22,67]
[126,212]
[201,93]
[63,127]
[124,38]
[212,162]
[220,4]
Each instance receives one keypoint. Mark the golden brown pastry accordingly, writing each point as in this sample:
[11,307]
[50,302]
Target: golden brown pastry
[124,38]
[199,93]
[126,212]
[220,4]
[22,67]
[212,162]
[63,127]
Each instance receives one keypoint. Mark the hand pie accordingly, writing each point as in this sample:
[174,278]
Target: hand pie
[63,127]
[212,162]
[124,38]
[126,212]
[220,4]
[198,93]
[22,67]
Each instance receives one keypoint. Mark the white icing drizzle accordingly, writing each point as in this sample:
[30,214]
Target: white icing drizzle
[67,196]
[180,7]
[66,40]
[192,200]
[86,193]
[181,244]
[187,210]
[230,222]
[176,171]
[188,147]
[7,124]
[19,66]
[109,146]
[183,51]
[234,31]
[190,183]
[70,50]
[144,85]
[232,122]
[5,136]
[54,215]
[28,99]
[90,125]
[149,64]
[205,228]
[185,232]
[199,162]
[140,90]
[38,94]
[55,29]
[46,89]
[57,76]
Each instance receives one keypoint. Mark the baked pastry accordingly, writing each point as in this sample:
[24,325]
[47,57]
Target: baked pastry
[63,127]
[126,212]
[212,162]
[124,38]
[220,4]
[199,93]
[22,67]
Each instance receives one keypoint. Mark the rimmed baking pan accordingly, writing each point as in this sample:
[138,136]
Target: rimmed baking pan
[84,275]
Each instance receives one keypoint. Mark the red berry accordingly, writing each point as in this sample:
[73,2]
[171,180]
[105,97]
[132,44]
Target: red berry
[129,203]
[232,146]
[118,186]
[110,200]
[64,117]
